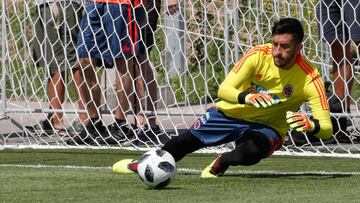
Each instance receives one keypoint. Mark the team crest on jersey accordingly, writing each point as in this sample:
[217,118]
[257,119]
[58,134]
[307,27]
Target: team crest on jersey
[288,90]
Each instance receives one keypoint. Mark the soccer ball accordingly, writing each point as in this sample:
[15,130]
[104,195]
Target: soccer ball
[157,168]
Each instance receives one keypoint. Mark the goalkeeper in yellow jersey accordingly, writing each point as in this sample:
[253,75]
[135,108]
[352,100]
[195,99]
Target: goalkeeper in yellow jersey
[259,100]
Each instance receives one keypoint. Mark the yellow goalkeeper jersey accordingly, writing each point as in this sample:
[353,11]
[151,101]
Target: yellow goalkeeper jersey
[289,88]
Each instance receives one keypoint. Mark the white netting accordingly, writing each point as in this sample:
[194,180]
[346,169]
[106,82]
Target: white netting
[193,51]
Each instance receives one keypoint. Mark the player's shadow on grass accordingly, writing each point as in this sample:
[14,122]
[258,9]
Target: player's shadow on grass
[291,175]
[165,188]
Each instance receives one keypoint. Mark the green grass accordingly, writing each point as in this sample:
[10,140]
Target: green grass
[99,184]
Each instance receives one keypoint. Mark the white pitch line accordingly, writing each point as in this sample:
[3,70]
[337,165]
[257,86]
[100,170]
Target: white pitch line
[198,171]
[55,166]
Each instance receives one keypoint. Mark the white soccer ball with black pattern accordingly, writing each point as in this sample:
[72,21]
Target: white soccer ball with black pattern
[157,168]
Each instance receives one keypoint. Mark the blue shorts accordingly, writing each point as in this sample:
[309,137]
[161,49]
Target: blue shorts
[339,21]
[214,128]
[108,31]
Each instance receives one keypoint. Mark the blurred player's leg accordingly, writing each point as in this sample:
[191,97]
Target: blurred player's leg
[56,91]
[153,92]
[83,117]
[91,92]
[120,130]
[140,90]
[124,87]
[342,72]
[147,91]
[90,87]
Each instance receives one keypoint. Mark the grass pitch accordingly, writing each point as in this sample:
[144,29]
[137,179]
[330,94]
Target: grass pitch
[86,176]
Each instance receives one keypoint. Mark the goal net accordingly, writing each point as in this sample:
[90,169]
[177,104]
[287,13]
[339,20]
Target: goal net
[193,51]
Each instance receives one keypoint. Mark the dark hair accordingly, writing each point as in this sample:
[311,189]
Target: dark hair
[289,26]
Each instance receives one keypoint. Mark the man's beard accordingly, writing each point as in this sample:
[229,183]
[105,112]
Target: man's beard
[285,62]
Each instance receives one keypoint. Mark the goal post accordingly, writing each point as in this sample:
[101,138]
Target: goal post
[193,51]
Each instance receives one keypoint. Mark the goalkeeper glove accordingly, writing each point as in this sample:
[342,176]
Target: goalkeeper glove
[259,100]
[299,121]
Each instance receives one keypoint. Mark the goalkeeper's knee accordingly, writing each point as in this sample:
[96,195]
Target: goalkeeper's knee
[248,152]
[181,145]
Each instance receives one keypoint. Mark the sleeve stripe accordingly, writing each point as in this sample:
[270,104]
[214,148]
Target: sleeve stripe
[239,65]
[248,54]
[317,82]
